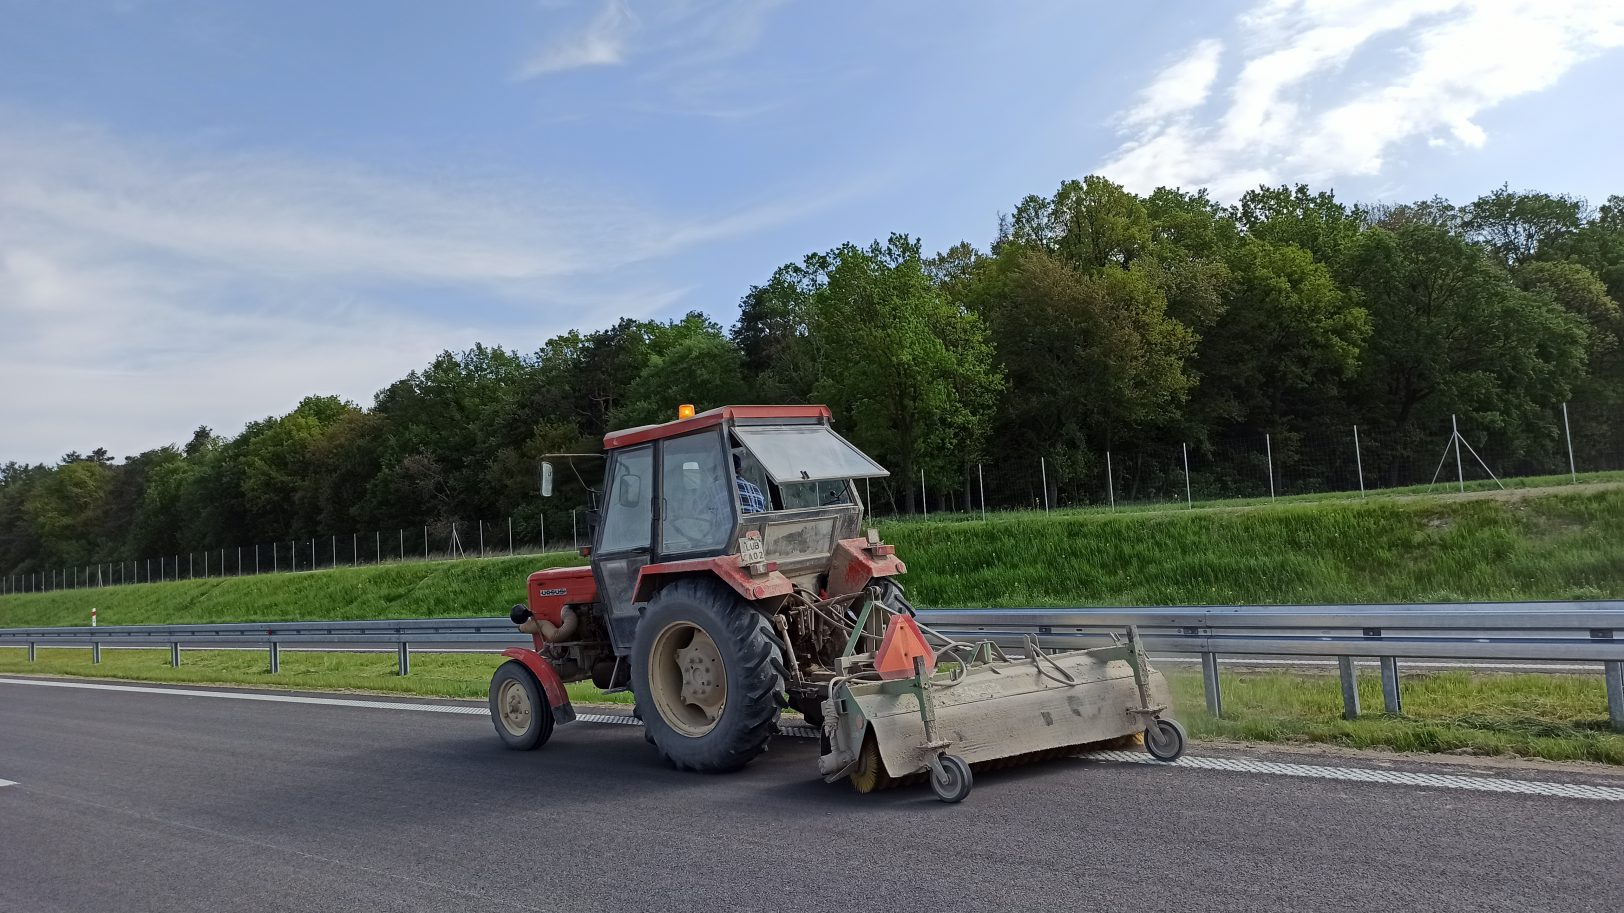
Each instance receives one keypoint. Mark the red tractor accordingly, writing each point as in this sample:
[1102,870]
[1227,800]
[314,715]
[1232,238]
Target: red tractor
[731,578]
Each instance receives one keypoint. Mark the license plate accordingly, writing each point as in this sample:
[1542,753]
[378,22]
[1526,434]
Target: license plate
[751,550]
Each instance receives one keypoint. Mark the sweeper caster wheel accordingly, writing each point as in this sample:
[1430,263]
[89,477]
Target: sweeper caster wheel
[1165,740]
[952,781]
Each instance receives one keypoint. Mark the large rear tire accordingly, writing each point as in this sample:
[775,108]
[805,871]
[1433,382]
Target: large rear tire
[706,674]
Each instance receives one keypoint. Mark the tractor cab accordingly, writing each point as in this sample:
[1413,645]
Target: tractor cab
[773,484]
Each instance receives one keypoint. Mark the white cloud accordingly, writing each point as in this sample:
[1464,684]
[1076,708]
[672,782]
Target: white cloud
[1180,87]
[603,42]
[1330,88]
[146,288]
[681,34]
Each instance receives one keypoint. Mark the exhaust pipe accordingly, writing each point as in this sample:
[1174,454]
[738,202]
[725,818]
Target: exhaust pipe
[551,633]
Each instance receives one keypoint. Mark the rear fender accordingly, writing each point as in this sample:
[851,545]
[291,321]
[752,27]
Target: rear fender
[549,591]
[551,685]
[753,587]
[855,563]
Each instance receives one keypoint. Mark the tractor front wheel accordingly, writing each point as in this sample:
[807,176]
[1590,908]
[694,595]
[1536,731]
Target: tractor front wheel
[706,673]
[522,717]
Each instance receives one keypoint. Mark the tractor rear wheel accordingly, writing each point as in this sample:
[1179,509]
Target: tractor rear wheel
[705,672]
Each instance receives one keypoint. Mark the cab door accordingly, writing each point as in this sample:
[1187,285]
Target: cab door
[624,538]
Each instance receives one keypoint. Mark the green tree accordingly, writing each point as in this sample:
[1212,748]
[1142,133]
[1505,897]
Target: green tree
[1515,225]
[911,372]
[1452,334]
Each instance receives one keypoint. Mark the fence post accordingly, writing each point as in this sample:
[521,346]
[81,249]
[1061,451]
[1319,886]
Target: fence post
[405,658]
[924,501]
[1454,439]
[510,535]
[1567,432]
[543,518]
[335,551]
[981,486]
[1391,702]
[574,535]
[1268,450]
[174,654]
[425,542]
[1043,476]
[1615,694]
[355,549]
[276,658]
[1185,448]
[1350,687]
[482,538]
[1359,460]
[1110,483]
[1209,684]
[377,546]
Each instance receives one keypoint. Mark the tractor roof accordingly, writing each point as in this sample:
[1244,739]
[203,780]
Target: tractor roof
[720,414]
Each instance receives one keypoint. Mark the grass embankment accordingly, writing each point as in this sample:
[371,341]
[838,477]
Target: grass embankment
[1559,717]
[1534,545]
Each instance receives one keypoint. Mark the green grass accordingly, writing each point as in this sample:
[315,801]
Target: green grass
[1558,717]
[1550,545]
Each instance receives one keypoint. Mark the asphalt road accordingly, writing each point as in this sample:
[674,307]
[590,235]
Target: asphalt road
[133,802]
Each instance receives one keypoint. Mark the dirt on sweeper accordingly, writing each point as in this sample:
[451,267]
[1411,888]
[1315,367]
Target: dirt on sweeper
[731,578]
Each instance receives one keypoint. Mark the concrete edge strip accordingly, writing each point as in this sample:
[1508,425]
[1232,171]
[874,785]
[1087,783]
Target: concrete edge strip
[1234,765]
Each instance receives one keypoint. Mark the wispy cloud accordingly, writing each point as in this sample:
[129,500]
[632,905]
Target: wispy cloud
[603,42]
[682,34]
[146,287]
[1329,88]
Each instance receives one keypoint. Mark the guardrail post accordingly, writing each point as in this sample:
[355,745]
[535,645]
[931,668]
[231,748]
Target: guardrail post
[276,657]
[1615,694]
[405,658]
[1391,702]
[31,651]
[1350,687]
[95,651]
[174,654]
[1209,684]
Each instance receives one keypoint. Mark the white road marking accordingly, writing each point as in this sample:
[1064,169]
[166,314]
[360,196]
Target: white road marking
[1237,765]
[244,696]
[5,783]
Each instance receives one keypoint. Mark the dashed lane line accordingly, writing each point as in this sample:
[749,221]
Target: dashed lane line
[1233,765]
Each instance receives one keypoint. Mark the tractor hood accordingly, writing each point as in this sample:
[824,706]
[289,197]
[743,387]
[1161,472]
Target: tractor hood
[806,453]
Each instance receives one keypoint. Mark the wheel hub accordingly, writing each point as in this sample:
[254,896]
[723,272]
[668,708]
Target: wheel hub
[514,705]
[688,679]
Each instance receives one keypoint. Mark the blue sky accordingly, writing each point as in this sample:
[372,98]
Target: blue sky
[210,210]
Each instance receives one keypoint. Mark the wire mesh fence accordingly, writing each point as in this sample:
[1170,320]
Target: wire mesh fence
[1262,466]
[1237,469]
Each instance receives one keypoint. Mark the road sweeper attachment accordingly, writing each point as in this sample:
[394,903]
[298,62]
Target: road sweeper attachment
[732,578]
[907,710]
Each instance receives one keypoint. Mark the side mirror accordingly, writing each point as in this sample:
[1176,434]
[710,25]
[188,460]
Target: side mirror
[546,479]
[629,491]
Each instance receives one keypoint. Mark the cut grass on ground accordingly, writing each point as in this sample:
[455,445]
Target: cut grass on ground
[1557,717]
[1552,544]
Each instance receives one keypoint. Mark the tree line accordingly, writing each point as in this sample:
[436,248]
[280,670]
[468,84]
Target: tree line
[1096,320]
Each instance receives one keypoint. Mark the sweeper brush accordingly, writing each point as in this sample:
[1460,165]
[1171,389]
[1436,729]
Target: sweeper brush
[911,709]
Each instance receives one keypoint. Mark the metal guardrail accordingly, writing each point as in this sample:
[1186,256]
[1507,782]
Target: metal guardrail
[1563,631]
